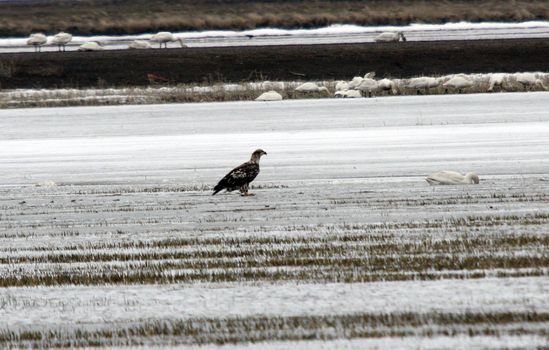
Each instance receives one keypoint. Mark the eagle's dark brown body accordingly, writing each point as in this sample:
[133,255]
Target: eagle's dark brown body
[241,176]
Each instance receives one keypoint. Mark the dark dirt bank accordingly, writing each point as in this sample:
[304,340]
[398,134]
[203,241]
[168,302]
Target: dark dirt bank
[236,64]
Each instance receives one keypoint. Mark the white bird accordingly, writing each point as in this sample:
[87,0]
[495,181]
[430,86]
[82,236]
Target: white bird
[91,46]
[139,44]
[388,37]
[37,40]
[387,85]
[458,82]
[61,39]
[165,38]
[529,80]
[352,94]
[368,85]
[348,93]
[342,86]
[540,83]
[423,83]
[269,96]
[451,178]
[526,78]
[497,79]
[311,87]
[355,82]
[271,85]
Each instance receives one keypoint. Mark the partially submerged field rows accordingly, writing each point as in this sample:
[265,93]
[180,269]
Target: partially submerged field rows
[132,235]
[109,235]
[228,313]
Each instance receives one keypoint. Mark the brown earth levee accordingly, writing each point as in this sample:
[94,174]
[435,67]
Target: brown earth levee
[299,62]
[19,18]
[110,17]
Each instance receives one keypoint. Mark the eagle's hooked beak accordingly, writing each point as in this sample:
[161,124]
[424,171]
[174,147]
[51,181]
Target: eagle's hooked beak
[264,153]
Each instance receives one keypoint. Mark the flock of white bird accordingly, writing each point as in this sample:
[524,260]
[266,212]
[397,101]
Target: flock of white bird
[162,38]
[368,86]
[38,40]
[62,39]
[357,87]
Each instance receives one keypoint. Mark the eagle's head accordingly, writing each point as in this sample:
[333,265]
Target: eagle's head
[256,156]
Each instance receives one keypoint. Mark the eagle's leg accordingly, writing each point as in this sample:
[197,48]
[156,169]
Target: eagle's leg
[244,190]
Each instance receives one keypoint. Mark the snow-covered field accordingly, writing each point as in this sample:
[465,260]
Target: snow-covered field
[328,35]
[109,236]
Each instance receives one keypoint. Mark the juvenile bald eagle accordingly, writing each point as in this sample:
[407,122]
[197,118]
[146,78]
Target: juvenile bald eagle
[241,176]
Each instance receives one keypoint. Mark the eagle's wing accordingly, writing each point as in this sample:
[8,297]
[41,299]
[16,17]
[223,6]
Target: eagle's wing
[238,177]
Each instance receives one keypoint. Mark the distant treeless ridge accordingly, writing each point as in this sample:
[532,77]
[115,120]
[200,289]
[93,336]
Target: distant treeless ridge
[138,16]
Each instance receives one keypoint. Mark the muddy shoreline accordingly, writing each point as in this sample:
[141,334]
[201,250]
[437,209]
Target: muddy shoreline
[293,62]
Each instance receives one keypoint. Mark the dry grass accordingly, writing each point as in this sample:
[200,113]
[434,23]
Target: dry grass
[118,211]
[357,253]
[103,16]
[264,328]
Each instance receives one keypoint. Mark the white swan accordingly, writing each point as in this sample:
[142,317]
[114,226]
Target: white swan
[387,85]
[342,86]
[91,46]
[388,37]
[497,79]
[37,40]
[540,83]
[352,94]
[423,83]
[458,82]
[529,80]
[368,85]
[452,178]
[165,38]
[139,44]
[61,40]
[348,94]
[311,87]
[355,82]
[269,96]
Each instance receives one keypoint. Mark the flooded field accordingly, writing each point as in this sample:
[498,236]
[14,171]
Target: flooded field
[109,235]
